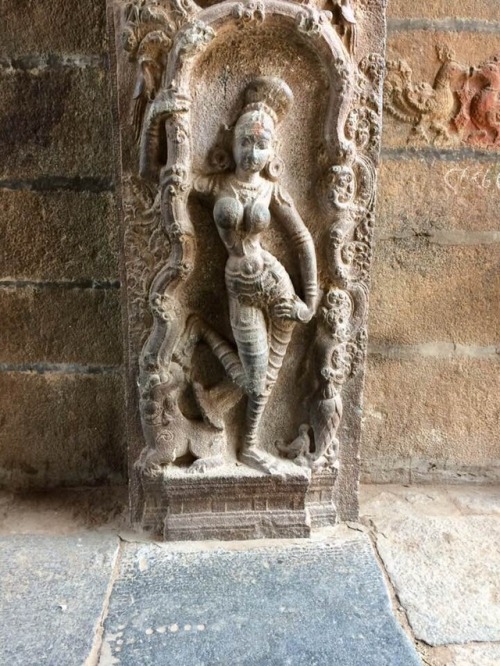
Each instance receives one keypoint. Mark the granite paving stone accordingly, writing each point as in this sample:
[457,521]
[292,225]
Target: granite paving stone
[444,567]
[315,604]
[52,594]
[474,654]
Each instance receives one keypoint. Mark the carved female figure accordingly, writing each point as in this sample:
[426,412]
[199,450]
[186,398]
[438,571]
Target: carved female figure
[263,304]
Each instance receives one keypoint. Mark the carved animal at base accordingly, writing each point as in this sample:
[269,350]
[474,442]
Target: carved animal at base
[428,108]
[174,434]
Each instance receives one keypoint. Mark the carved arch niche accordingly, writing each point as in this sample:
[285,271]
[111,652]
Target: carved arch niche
[220,446]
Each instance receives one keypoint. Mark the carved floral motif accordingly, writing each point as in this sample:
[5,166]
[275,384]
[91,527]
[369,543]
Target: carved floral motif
[251,11]
[340,343]
[310,20]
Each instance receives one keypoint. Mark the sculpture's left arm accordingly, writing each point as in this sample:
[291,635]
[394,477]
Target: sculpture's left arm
[283,208]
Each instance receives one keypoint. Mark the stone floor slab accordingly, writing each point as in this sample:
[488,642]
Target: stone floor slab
[317,604]
[52,594]
[444,567]
[477,654]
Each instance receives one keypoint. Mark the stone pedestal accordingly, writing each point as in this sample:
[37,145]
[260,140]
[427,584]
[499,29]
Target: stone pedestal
[232,502]
[248,140]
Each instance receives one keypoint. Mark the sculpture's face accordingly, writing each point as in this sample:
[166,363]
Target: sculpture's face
[253,141]
[342,185]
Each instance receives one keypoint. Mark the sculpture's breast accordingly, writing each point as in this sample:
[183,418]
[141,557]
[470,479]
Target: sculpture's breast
[228,213]
[257,217]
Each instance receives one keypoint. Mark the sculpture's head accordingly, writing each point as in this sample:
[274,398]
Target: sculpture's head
[267,99]
[254,139]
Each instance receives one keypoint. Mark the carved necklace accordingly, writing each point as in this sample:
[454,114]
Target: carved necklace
[245,192]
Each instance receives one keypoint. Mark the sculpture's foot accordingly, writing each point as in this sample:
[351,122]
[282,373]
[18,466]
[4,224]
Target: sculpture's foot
[204,464]
[153,459]
[150,468]
[417,136]
[260,460]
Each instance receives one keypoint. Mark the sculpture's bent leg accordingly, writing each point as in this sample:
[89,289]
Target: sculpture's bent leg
[280,334]
[222,350]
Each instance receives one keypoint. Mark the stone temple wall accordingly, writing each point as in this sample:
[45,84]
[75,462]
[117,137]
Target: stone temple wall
[432,392]
[431,399]
[61,390]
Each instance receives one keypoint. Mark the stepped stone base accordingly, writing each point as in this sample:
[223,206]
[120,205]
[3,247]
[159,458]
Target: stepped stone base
[236,502]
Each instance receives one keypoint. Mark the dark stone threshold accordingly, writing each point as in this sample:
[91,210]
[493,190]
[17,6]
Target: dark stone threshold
[317,603]
[313,604]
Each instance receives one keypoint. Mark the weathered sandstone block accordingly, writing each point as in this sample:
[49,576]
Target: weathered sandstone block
[45,26]
[55,122]
[66,429]
[433,287]
[54,236]
[60,325]
[439,411]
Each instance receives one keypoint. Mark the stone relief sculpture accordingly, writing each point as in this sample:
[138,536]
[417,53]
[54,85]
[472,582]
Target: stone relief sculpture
[478,120]
[461,106]
[263,304]
[201,428]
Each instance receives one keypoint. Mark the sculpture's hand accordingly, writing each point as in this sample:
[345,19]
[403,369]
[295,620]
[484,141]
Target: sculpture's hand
[295,310]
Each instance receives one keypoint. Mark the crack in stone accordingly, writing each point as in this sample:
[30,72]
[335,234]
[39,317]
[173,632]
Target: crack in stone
[448,237]
[445,350]
[442,154]
[95,652]
[398,609]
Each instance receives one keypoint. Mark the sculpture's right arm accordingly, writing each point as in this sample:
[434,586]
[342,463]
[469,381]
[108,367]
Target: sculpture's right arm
[204,186]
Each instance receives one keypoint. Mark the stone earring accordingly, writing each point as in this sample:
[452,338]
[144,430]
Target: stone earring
[274,168]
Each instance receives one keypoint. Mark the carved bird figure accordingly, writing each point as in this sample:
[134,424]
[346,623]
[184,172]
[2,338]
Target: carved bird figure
[348,24]
[428,108]
[326,414]
[151,61]
[147,39]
